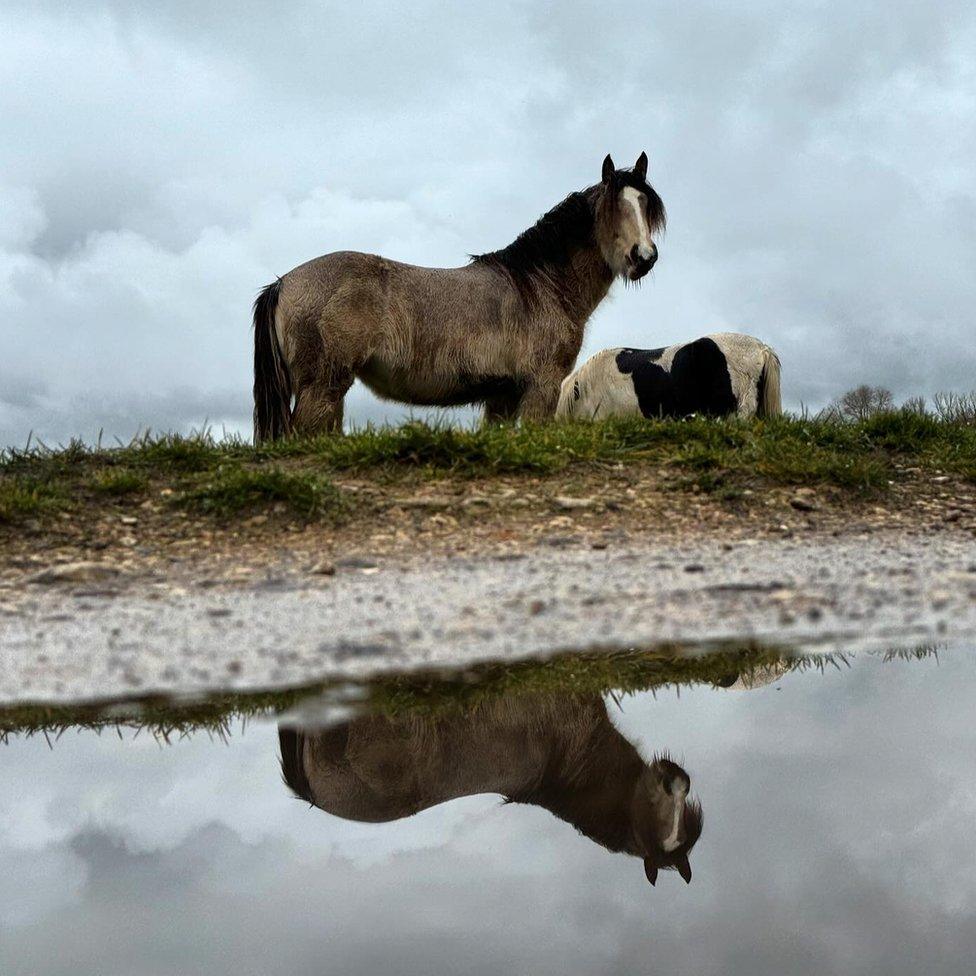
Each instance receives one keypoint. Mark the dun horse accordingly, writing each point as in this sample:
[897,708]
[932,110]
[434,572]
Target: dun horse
[503,330]
[562,754]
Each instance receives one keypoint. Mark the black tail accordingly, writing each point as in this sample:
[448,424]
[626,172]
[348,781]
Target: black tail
[272,384]
[292,764]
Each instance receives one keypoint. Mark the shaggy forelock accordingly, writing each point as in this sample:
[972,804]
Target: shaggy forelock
[657,216]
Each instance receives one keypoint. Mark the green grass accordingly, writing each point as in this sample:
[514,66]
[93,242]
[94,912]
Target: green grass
[438,691]
[29,497]
[119,483]
[713,455]
[233,489]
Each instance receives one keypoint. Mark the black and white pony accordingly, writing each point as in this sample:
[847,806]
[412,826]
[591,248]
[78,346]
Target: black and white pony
[717,375]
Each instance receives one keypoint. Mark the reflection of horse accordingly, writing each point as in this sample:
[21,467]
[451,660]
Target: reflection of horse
[503,330]
[560,753]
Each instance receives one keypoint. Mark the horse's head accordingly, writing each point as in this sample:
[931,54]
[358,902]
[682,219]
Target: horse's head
[666,822]
[628,215]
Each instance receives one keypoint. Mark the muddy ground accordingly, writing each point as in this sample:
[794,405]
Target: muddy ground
[142,598]
[418,518]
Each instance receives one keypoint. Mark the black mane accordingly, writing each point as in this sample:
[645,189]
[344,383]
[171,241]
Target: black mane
[547,246]
[551,240]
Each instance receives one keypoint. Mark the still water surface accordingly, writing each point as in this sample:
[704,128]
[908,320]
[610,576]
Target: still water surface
[837,838]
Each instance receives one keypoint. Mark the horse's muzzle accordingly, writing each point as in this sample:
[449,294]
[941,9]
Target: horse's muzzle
[639,265]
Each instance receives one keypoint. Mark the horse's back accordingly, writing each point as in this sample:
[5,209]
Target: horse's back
[316,281]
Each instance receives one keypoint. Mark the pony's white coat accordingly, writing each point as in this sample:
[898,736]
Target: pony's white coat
[604,391]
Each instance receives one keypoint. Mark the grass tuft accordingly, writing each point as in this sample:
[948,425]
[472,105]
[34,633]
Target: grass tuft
[119,483]
[27,497]
[175,453]
[233,489]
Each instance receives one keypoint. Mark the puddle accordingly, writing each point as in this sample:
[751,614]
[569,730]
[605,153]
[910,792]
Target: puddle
[836,812]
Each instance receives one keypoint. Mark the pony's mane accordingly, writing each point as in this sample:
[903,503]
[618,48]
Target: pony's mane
[551,240]
[548,246]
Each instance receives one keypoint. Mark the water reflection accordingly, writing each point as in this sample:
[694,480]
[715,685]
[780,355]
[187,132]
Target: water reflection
[123,854]
[561,753]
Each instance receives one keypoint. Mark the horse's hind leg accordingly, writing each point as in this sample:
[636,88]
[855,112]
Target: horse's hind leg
[318,405]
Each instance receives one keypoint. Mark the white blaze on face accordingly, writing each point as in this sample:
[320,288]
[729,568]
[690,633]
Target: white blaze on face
[672,841]
[631,198]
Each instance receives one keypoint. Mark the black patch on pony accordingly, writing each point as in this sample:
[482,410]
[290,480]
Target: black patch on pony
[698,381]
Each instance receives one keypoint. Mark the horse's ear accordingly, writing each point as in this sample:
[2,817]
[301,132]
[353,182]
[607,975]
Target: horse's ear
[609,170]
[684,868]
[650,870]
[640,167]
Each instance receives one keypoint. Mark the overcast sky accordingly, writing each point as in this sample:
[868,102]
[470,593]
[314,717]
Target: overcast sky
[838,839]
[160,162]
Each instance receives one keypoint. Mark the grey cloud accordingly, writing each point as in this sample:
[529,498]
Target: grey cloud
[163,161]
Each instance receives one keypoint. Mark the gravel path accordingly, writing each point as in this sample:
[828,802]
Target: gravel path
[98,636]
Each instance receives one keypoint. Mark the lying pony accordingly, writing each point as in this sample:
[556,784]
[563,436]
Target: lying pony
[720,374]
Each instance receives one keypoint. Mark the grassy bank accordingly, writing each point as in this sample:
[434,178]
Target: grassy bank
[225,478]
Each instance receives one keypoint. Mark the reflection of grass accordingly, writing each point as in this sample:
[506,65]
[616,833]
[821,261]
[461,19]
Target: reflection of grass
[710,455]
[428,692]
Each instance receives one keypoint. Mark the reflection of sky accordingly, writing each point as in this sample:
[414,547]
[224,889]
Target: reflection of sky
[838,821]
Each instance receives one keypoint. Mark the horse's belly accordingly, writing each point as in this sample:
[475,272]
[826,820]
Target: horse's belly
[433,389]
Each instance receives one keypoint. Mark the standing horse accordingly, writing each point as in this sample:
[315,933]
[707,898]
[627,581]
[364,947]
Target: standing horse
[717,375]
[560,753]
[503,330]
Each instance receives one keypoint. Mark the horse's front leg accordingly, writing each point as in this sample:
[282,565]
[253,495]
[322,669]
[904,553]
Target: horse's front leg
[540,399]
[503,408]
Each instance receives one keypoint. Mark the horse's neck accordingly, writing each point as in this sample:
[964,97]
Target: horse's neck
[559,258]
[592,787]
[586,281]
